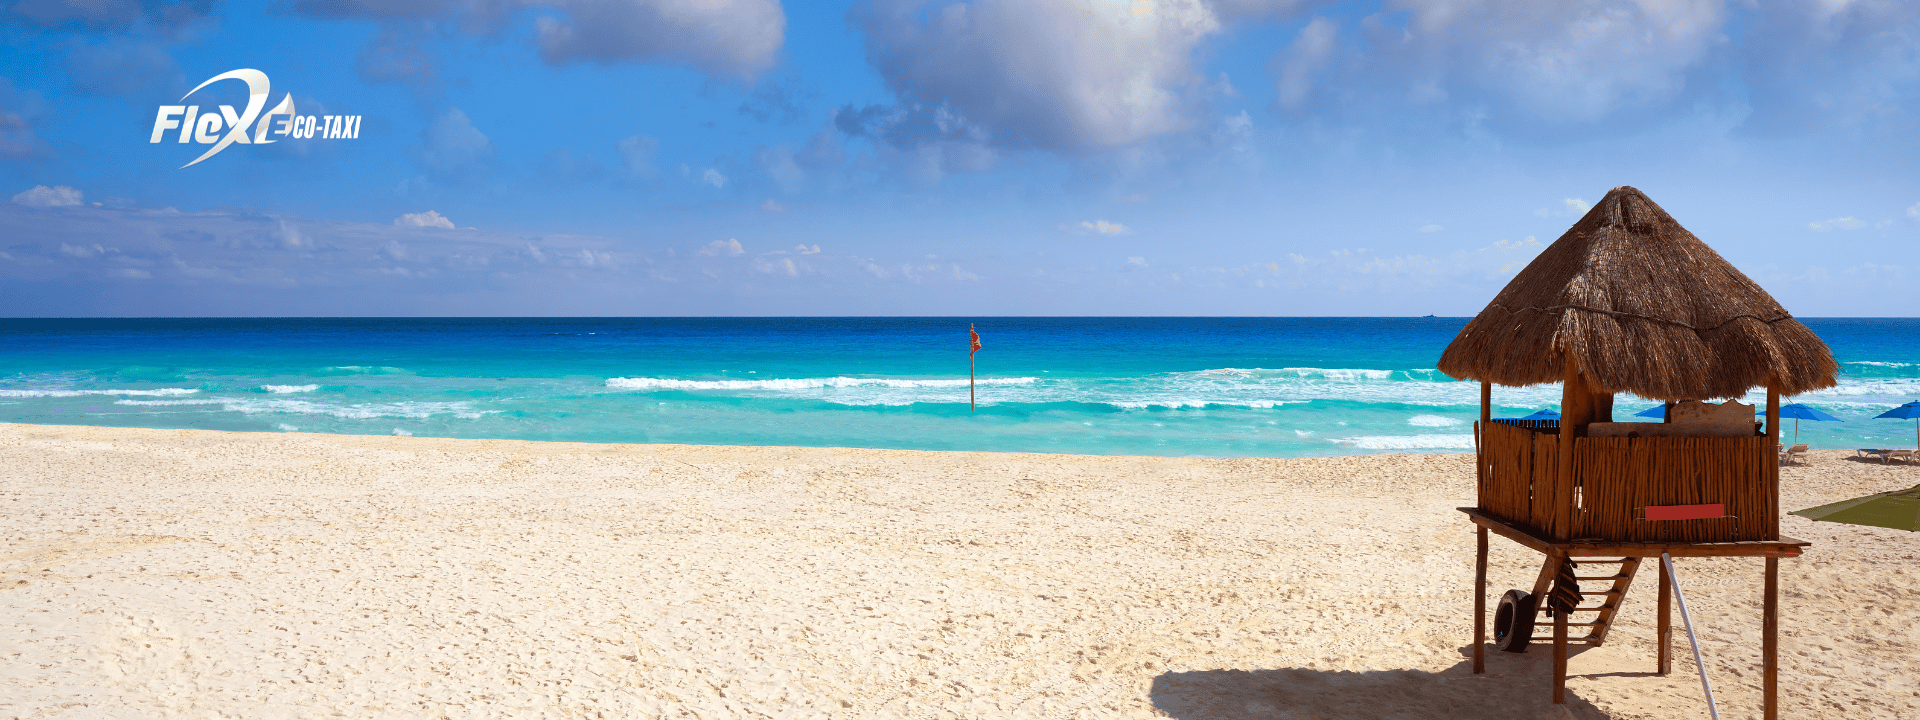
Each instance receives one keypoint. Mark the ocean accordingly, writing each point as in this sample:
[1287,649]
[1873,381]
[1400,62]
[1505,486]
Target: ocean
[1216,387]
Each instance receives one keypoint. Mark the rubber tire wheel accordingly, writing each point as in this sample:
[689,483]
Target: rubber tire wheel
[1513,621]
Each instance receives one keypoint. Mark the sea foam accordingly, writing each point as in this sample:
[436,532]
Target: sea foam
[645,383]
[1408,442]
[162,392]
[360,411]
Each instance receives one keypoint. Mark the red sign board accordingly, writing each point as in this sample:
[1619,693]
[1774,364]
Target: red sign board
[1686,512]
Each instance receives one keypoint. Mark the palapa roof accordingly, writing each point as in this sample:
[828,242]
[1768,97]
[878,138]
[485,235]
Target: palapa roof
[1644,307]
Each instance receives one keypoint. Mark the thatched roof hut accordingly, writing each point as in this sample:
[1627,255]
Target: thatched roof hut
[1641,306]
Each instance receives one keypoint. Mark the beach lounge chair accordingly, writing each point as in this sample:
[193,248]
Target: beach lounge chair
[1787,455]
[1905,456]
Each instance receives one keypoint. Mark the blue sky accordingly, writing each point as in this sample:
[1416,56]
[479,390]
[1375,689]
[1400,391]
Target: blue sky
[997,157]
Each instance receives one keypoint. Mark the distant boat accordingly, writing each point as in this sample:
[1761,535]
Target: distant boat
[1426,316]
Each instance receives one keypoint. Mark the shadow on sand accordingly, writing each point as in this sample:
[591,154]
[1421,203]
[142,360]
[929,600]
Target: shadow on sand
[1875,460]
[1514,686]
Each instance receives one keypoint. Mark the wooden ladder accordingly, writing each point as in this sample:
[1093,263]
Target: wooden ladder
[1609,606]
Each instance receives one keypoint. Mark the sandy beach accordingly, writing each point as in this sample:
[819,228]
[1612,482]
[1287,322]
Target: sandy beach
[197,574]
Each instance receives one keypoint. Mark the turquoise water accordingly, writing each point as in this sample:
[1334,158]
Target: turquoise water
[1280,387]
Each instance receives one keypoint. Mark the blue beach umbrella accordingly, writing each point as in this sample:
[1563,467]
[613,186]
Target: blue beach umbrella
[1801,412]
[1543,415]
[1909,411]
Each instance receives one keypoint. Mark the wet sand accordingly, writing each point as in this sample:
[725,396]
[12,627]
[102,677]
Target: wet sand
[195,574]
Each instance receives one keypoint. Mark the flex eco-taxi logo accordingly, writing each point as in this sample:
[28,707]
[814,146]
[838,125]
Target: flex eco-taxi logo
[248,127]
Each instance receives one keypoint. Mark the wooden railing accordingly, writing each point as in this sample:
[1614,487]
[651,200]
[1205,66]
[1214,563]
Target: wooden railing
[1517,466]
[1615,478]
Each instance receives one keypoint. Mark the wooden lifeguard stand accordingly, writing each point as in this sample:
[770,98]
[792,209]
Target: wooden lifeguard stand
[1629,301]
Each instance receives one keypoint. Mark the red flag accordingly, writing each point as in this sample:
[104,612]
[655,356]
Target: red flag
[976,340]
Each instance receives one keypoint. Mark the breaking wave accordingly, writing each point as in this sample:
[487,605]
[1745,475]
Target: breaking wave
[621,383]
[162,392]
[359,411]
[1408,442]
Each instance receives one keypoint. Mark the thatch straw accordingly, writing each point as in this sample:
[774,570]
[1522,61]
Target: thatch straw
[1644,307]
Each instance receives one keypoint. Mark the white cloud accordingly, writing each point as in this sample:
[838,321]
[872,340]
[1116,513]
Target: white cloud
[773,206]
[1137,261]
[1061,74]
[282,264]
[1295,67]
[776,266]
[729,247]
[1839,223]
[43,196]
[82,251]
[713,177]
[1553,61]
[1510,245]
[638,152]
[423,220]
[290,236]
[1813,66]
[779,163]
[719,37]
[1913,212]
[804,250]
[1097,227]
[1570,207]
[1430,228]
[453,146]
[1257,9]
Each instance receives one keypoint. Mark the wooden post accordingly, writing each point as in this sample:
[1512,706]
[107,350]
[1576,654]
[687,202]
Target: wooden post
[1667,414]
[1770,611]
[1773,413]
[1573,413]
[1480,443]
[1663,635]
[1486,402]
[1480,604]
[1771,469]
[1559,655]
[1770,642]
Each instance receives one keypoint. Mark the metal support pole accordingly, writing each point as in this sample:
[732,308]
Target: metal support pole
[1667,561]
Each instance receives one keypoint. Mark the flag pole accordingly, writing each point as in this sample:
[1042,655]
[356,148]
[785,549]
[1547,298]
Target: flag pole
[970,351]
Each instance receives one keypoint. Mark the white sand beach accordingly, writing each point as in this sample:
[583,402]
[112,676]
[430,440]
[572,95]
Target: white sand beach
[196,574]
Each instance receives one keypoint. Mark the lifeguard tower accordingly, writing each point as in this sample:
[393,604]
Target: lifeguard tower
[1629,301]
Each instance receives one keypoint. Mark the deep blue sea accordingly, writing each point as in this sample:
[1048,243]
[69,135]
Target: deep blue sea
[1279,387]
